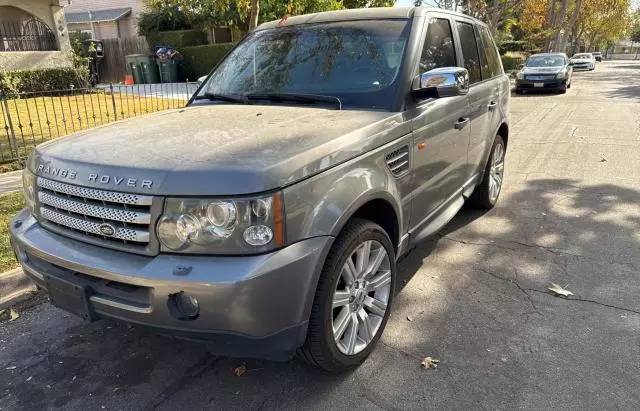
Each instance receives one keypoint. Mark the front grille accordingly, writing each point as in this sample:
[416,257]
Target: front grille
[541,77]
[121,219]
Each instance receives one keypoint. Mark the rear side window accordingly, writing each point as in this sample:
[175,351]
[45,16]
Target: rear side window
[438,50]
[493,59]
[469,51]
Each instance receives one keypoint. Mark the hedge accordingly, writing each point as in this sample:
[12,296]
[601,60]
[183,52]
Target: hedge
[200,60]
[512,45]
[178,39]
[26,81]
[511,63]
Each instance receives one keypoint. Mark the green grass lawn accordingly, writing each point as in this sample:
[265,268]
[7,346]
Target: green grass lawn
[10,204]
[38,119]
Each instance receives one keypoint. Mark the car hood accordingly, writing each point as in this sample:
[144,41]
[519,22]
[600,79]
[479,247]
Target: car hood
[219,149]
[542,70]
[581,60]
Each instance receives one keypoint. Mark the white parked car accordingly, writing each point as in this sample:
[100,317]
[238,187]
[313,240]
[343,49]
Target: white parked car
[583,61]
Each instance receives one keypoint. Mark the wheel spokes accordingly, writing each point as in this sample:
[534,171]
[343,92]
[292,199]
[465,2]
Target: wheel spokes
[352,334]
[376,262]
[341,323]
[375,306]
[362,258]
[349,272]
[366,328]
[341,298]
[381,280]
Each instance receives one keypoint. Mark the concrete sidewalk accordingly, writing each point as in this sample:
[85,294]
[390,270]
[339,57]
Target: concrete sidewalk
[11,181]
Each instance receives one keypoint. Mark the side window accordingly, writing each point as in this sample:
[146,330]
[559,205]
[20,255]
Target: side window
[484,64]
[495,65]
[469,51]
[438,50]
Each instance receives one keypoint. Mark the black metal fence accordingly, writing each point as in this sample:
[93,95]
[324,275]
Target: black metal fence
[26,35]
[28,119]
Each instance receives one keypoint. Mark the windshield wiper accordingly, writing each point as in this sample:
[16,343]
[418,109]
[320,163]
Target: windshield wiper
[296,97]
[230,98]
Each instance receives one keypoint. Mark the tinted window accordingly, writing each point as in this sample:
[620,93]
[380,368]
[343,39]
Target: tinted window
[493,59]
[438,50]
[469,51]
[356,61]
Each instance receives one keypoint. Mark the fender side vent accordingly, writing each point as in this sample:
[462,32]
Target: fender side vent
[398,161]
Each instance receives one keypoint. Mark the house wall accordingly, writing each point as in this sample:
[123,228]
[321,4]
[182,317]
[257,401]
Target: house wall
[50,13]
[102,30]
[53,16]
[128,25]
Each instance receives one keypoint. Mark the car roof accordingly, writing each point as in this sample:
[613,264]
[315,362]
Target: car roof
[372,13]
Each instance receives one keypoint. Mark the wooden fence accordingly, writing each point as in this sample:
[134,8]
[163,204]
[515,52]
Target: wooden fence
[114,67]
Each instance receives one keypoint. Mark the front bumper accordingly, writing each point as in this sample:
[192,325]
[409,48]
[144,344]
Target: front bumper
[553,84]
[255,306]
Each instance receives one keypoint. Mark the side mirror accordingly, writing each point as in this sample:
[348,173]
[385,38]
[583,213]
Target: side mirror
[442,82]
[201,80]
[521,66]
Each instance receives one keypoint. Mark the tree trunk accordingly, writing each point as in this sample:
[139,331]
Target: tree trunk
[255,10]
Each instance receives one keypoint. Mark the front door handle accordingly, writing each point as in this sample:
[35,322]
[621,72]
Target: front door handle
[461,123]
[492,106]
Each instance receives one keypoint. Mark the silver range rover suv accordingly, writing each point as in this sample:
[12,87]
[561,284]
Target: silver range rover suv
[268,215]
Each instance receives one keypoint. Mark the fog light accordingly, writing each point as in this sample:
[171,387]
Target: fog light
[183,306]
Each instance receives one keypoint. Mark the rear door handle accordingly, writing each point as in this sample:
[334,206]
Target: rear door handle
[492,106]
[461,123]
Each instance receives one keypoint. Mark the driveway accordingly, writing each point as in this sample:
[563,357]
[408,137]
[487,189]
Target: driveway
[475,297]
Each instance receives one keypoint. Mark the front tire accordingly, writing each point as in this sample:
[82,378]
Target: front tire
[353,298]
[486,194]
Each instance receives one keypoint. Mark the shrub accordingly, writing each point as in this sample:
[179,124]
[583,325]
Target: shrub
[512,45]
[200,60]
[177,39]
[156,19]
[511,63]
[25,81]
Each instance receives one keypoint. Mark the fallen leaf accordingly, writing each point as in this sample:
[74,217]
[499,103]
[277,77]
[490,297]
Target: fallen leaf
[30,377]
[559,290]
[74,378]
[241,369]
[409,318]
[429,362]
[13,367]
[13,314]
[2,311]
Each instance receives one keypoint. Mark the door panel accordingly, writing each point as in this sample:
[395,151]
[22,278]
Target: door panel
[483,94]
[439,153]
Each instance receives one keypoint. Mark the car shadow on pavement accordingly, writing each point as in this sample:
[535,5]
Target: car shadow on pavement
[474,297]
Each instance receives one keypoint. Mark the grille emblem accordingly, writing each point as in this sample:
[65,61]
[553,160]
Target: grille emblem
[107,229]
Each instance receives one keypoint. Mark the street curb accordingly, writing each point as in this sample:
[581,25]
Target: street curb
[13,286]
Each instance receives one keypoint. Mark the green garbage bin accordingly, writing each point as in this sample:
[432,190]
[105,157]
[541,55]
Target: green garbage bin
[149,70]
[168,71]
[143,68]
[133,63]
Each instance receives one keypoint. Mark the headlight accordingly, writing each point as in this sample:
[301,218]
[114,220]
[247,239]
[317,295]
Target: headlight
[215,226]
[561,75]
[29,189]
[520,75]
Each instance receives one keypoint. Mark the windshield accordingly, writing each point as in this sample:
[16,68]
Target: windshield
[582,56]
[545,61]
[355,61]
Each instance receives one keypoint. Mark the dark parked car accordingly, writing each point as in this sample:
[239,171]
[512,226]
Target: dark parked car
[546,71]
[268,215]
[597,55]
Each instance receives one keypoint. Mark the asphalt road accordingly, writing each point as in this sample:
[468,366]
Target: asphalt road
[476,295]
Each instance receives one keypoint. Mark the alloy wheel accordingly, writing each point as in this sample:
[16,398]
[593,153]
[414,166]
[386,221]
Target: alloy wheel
[361,297]
[496,172]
